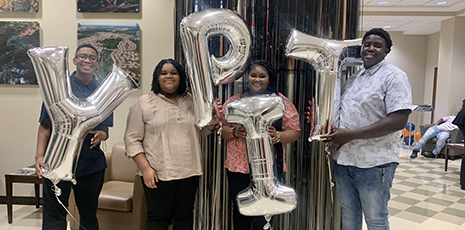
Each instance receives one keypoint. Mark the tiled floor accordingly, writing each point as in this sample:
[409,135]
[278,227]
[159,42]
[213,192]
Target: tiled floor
[424,197]
[25,217]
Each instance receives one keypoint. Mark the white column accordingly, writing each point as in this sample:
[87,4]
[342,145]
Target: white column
[451,67]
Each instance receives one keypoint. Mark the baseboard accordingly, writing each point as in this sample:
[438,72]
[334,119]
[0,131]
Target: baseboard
[21,200]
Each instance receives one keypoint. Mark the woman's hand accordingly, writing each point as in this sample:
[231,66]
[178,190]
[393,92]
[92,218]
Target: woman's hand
[275,135]
[217,115]
[150,177]
[239,132]
[309,113]
[217,110]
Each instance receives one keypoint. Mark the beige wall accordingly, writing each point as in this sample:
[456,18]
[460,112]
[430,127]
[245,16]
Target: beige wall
[457,81]
[432,49]
[20,105]
[409,54]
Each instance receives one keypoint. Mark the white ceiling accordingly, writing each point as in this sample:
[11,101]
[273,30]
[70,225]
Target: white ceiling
[413,17]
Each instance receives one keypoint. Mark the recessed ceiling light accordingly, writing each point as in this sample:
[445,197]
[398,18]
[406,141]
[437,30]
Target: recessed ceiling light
[441,3]
[387,27]
[383,3]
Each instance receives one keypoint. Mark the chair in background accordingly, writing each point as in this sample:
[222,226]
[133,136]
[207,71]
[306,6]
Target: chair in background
[455,137]
[122,203]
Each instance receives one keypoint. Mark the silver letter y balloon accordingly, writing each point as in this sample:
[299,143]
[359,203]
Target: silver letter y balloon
[72,117]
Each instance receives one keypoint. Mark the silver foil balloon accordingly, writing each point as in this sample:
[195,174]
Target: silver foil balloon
[266,195]
[329,58]
[72,117]
[206,70]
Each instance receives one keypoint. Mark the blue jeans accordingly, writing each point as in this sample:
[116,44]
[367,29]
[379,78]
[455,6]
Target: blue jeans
[364,191]
[430,133]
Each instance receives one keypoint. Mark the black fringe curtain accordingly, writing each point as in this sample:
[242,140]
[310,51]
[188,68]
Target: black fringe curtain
[270,23]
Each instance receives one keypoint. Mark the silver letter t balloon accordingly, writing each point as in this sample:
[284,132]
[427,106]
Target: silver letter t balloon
[265,195]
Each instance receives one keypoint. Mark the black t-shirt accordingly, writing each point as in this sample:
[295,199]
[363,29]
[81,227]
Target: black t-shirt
[90,160]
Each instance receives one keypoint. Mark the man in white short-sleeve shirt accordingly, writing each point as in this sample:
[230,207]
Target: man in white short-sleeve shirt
[374,106]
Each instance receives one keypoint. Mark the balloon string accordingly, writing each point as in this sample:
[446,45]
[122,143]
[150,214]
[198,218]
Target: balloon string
[215,192]
[328,160]
[331,189]
[267,225]
[218,133]
[57,194]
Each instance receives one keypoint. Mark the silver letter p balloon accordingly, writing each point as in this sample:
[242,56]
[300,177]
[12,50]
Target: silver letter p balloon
[205,69]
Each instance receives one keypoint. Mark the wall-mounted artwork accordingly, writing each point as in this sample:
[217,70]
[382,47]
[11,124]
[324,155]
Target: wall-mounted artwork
[126,6]
[19,5]
[118,43]
[16,38]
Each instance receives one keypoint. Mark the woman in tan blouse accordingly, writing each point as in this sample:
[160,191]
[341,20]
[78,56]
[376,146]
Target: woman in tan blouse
[164,141]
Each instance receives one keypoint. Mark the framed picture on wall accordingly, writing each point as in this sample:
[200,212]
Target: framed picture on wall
[118,43]
[110,6]
[19,5]
[16,38]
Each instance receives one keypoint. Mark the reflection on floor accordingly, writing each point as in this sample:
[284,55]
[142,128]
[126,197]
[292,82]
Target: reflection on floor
[424,197]
[25,217]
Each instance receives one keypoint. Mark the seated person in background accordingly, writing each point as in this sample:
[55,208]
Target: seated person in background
[441,130]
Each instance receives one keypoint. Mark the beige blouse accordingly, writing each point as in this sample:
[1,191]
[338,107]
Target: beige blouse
[167,134]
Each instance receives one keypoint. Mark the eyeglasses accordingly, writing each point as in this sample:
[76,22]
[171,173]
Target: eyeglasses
[83,57]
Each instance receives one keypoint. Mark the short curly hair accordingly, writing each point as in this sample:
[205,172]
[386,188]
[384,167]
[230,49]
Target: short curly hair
[87,46]
[182,76]
[382,33]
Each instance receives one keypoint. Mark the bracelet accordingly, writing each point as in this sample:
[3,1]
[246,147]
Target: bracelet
[233,131]
[278,138]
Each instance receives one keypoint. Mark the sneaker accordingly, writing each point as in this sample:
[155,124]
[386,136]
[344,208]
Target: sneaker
[414,154]
[429,155]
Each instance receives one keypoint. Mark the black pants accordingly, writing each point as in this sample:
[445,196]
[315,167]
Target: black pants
[171,201]
[462,164]
[86,193]
[460,122]
[238,182]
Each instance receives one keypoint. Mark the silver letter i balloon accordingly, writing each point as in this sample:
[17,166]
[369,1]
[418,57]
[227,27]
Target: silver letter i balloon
[265,195]
[72,117]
